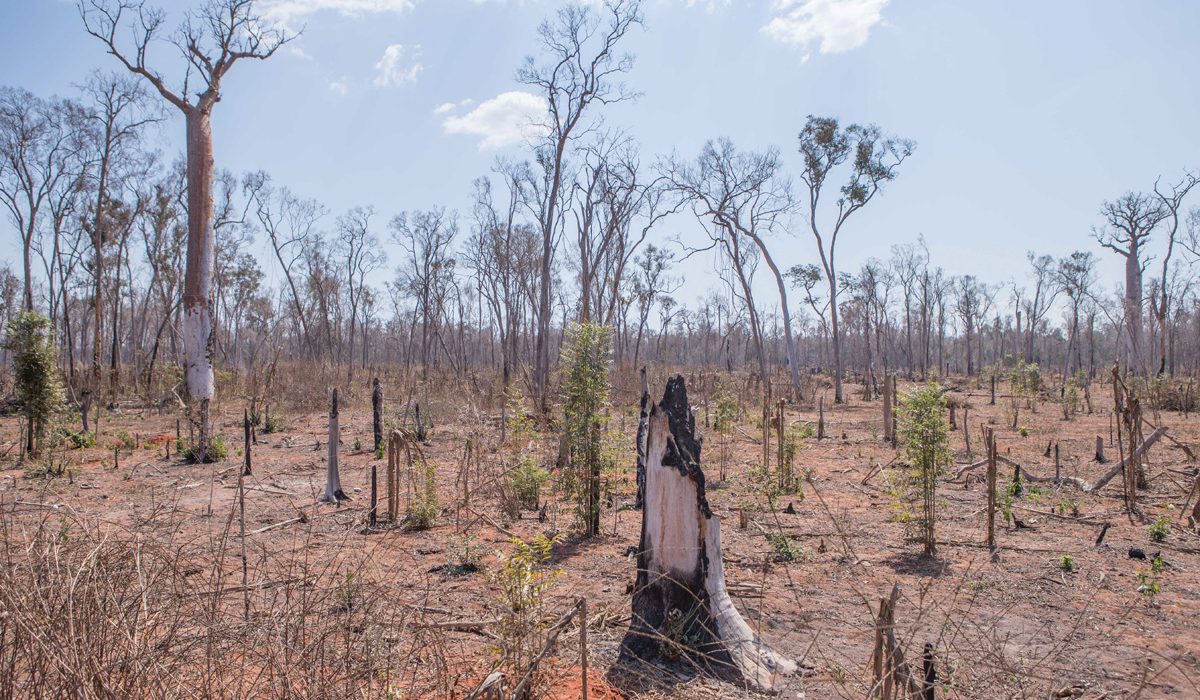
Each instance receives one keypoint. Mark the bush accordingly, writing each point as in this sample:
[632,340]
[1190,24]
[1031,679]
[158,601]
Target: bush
[35,375]
[526,482]
[217,451]
[424,508]
[1159,529]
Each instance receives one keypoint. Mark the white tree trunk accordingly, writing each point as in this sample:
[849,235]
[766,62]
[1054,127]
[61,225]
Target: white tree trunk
[680,604]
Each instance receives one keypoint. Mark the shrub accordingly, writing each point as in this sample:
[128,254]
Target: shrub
[526,482]
[1160,528]
[523,580]
[217,451]
[35,375]
[1066,562]
[785,546]
[423,507]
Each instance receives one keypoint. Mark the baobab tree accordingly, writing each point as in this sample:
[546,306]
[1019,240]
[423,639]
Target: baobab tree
[212,40]
[874,160]
[582,68]
[1128,224]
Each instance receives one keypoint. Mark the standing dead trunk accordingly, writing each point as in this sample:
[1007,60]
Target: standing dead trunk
[887,408]
[333,481]
[680,604]
[198,278]
[643,427]
[377,412]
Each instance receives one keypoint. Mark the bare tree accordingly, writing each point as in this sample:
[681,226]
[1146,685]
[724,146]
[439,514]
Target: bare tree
[360,249]
[1171,197]
[874,160]
[1038,303]
[742,195]
[427,237]
[582,68]
[1076,274]
[212,40]
[972,304]
[36,150]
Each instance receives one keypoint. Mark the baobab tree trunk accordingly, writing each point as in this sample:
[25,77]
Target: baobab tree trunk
[198,279]
[680,604]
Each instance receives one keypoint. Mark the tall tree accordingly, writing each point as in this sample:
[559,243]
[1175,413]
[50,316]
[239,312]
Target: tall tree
[1128,224]
[582,68]
[212,40]
[874,160]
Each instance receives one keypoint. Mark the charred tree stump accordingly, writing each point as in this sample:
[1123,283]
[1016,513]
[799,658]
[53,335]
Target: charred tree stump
[85,409]
[372,517]
[680,604]
[887,407]
[333,482]
[821,418]
[377,412]
[990,437]
[246,467]
[643,426]
[1099,449]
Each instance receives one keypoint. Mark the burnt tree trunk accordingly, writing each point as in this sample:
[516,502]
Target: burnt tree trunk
[377,412]
[680,605]
[333,482]
[643,427]
[198,277]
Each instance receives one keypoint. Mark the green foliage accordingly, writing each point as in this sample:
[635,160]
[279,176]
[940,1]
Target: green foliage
[217,450]
[785,546]
[585,396]
[1023,431]
[357,443]
[523,580]
[1160,528]
[271,424]
[526,482]
[1066,562]
[35,374]
[1026,379]
[1148,581]
[1067,505]
[124,439]
[925,436]
[726,413]
[347,592]
[80,440]
[379,451]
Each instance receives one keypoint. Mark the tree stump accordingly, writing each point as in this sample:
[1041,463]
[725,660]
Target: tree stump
[643,426]
[333,482]
[377,412]
[680,605]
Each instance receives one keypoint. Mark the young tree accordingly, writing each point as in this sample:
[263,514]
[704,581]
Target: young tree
[874,160]
[35,375]
[927,447]
[212,40]
[585,390]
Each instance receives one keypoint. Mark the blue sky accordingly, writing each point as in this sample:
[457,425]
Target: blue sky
[1027,115]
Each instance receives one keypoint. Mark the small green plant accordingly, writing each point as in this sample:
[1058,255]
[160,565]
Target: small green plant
[379,451]
[1023,431]
[124,439]
[80,440]
[357,443]
[785,546]
[1067,505]
[217,450]
[1160,528]
[271,424]
[1148,581]
[1066,562]
[523,579]
[527,481]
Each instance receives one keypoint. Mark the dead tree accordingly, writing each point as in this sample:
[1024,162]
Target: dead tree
[333,482]
[377,412]
[643,426]
[680,604]
[220,34]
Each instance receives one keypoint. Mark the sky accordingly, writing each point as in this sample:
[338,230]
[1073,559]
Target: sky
[1027,115]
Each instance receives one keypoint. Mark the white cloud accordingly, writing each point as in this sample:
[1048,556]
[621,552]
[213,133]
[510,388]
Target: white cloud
[834,25]
[506,119]
[287,11]
[400,64]
[341,86]
[444,108]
